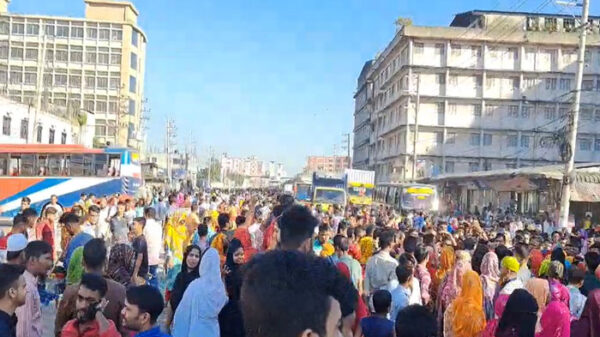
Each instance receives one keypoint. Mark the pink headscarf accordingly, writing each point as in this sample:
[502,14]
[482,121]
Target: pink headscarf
[559,292]
[555,321]
[490,275]
[490,328]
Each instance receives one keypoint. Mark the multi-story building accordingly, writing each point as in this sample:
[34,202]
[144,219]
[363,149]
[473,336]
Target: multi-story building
[251,167]
[362,119]
[494,91]
[65,65]
[333,164]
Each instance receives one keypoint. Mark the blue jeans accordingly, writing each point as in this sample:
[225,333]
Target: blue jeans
[153,279]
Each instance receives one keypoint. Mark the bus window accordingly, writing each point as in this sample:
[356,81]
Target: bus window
[28,168]
[13,166]
[41,166]
[114,165]
[88,165]
[100,165]
[76,165]
[55,165]
[3,164]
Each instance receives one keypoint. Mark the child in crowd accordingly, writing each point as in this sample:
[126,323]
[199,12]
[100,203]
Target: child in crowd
[577,299]
[378,325]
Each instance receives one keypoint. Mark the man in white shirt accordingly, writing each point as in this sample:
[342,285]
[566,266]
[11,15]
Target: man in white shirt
[153,234]
[91,222]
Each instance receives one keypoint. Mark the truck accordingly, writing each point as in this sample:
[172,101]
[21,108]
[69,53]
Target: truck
[328,190]
[360,186]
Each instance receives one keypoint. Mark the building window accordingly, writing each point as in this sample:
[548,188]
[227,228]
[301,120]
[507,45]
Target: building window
[597,144]
[74,81]
[551,84]
[449,167]
[90,82]
[77,32]
[104,34]
[30,78]
[549,112]
[60,79]
[475,139]
[597,115]
[24,128]
[63,137]
[90,57]
[102,82]
[525,112]
[134,60]
[585,144]
[4,27]
[51,136]
[487,139]
[477,110]
[513,111]
[473,166]
[77,56]
[134,38]
[419,48]
[587,85]
[115,82]
[587,57]
[489,110]
[568,24]
[132,107]
[33,29]
[38,136]
[18,28]
[511,166]
[450,138]
[487,165]
[512,140]
[16,53]
[132,84]
[131,131]
[62,55]
[117,35]
[6,125]
[455,49]
[103,58]
[439,49]
[586,114]
[529,82]
[525,141]
[62,31]
[516,83]
[565,84]
[92,33]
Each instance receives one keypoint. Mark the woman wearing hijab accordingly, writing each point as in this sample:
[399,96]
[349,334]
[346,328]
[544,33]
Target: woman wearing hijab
[555,321]
[230,317]
[589,323]
[519,317]
[490,276]
[198,311]
[492,324]
[189,272]
[540,290]
[558,292]
[446,264]
[451,286]
[465,316]
[480,251]
[535,258]
[121,261]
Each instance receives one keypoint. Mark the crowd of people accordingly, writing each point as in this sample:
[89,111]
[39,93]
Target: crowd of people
[258,264]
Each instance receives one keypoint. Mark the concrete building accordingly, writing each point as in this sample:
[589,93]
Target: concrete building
[494,91]
[246,169]
[362,119]
[334,164]
[18,126]
[65,65]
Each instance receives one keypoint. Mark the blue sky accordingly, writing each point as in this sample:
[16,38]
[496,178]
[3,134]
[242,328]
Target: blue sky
[271,78]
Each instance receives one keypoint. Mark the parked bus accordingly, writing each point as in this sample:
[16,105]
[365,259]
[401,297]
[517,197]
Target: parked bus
[40,170]
[408,196]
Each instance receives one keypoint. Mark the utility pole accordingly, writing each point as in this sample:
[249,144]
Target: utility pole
[169,145]
[569,175]
[416,131]
[346,144]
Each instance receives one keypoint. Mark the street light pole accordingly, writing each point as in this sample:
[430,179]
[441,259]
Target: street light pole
[569,175]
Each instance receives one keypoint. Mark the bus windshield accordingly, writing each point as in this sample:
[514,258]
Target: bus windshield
[324,196]
[303,192]
[418,198]
[360,191]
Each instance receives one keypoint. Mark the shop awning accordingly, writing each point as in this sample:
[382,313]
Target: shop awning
[585,192]
[516,184]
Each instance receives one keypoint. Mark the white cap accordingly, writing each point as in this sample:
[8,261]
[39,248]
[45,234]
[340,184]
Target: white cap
[16,242]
